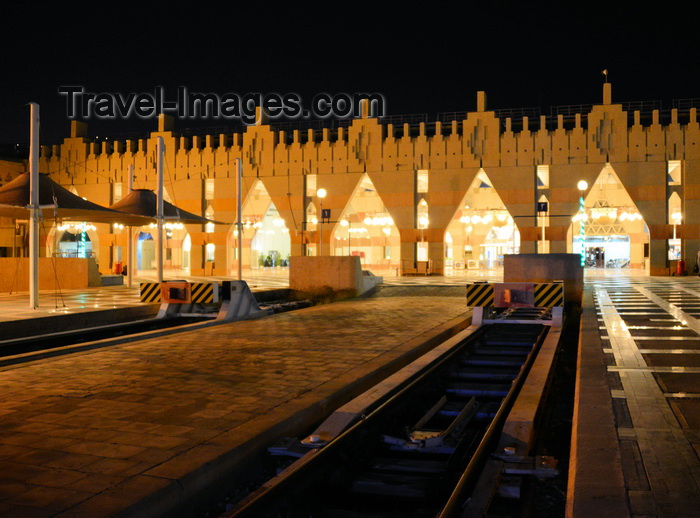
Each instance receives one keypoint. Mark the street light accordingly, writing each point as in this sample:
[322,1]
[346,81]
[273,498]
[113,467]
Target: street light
[321,193]
[582,186]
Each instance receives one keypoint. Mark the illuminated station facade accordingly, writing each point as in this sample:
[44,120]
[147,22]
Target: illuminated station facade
[619,182]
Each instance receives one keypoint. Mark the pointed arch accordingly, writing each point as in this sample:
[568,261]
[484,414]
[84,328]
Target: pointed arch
[482,229]
[365,228]
[612,230]
[266,241]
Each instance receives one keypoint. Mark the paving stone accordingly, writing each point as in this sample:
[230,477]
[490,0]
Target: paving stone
[168,405]
[48,498]
[642,503]
[656,442]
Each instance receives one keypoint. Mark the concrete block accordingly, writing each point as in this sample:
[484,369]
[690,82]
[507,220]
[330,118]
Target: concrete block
[547,268]
[112,280]
[313,274]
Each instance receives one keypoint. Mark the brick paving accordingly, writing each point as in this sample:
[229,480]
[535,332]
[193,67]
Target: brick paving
[97,432]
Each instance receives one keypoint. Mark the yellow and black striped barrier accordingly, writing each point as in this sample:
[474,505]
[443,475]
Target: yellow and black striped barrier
[548,295]
[480,295]
[150,292]
[516,302]
[533,294]
[202,292]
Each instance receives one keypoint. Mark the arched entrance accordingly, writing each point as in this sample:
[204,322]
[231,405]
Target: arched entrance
[610,231]
[366,229]
[266,241]
[481,232]
[73,239]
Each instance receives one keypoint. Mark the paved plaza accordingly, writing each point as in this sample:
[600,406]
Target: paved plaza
[101,431]
[130,426]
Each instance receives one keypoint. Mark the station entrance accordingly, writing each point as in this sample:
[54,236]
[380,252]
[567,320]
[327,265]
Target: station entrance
[481,232]
[609,230]
[266,241]
[366,229]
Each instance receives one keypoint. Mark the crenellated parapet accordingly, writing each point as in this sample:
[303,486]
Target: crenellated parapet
[606,133]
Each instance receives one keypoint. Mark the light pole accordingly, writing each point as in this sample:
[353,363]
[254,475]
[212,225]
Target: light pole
[239,210]
[582,186]
[321,193]
[34,210]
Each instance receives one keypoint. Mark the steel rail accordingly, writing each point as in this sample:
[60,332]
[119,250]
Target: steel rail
[483,451]
[274,490]
[273,495]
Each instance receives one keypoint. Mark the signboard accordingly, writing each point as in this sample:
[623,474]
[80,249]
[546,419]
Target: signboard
[325,213]
[542,206]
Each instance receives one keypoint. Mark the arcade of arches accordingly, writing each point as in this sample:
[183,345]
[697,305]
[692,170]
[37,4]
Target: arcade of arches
[608,228]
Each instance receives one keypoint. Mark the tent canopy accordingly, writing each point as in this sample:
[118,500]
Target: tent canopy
[15,198]
[144,202]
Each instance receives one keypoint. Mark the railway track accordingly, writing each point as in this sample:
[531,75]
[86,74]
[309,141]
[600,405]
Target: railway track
[425,449]
[23,349]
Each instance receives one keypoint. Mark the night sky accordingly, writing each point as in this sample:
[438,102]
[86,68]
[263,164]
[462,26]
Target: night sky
[423,60]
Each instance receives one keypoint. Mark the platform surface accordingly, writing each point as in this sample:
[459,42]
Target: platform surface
[636,436]
[132,427]
[90,433]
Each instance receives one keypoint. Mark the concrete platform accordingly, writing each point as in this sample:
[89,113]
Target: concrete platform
[140,429]
[636,439]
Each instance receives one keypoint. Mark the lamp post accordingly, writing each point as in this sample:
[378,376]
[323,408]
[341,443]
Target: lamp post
[239,219]
[35,211]
[321,193]
[582,186]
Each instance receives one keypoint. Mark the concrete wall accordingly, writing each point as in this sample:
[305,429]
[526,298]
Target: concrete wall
[547,268]
[310,274]
[71,272]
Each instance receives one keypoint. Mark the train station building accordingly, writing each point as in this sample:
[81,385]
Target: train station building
[620,181]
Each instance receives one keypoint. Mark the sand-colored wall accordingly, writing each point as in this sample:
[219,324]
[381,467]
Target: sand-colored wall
[312,274]
[54,273]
